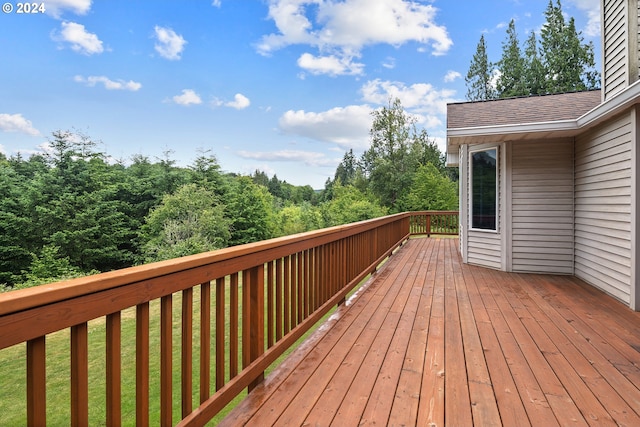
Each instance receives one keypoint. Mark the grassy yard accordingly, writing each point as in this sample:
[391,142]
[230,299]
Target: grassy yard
[13,375]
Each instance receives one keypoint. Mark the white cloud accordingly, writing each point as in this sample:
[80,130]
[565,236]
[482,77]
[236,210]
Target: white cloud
[216,3]
[80,39]
[169,45]
[309,158]
[55,8]
[108,83]
[17,123]
[239,102]
[389,63]
[452,76]
[341,29]
[331,65]
[425,103]
[592,10]
[188,97]
[419,97]
[348,127]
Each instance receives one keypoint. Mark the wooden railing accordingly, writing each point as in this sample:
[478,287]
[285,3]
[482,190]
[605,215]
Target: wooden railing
[434,222]
[255,301]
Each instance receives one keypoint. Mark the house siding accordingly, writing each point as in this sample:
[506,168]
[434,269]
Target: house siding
[615,66]
[542,207]
[603,183]
[485,248]
[636,43]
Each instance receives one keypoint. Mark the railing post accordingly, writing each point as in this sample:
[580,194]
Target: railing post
[36,382]
[254,278]
[428,225]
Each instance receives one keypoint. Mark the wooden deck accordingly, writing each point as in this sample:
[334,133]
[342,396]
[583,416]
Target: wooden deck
[431,341]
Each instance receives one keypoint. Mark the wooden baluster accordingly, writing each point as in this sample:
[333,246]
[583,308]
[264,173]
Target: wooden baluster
[79,375]
[187,352]
[36,383]
[318,277]
[220,332]
[233,325]
[246,325]
[308,297]
[294,292]
[279,312]
[270,304]
[287,314]
[300,288]
[114,370]
[166,350]
[205,341]
[142,364]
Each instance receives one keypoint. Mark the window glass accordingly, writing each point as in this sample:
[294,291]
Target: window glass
[484,201]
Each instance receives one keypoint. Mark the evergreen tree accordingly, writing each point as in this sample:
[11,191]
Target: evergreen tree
[511,67]
[479,78]
[561,62]
[14,228]
[533,73]
[346,171]
[569,63]
[205,171]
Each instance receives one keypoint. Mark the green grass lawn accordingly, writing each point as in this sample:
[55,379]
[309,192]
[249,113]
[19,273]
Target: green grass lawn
[13,375]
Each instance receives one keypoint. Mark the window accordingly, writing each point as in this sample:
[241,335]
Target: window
[484,194]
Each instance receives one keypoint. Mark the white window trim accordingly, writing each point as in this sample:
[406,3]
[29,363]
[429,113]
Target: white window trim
[470,189]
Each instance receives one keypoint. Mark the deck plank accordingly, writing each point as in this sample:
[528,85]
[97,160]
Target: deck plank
[379,405]
[407,398]
[432,341]
[483,401]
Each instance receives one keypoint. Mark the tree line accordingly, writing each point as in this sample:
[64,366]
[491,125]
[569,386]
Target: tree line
[70,211]
[558,61]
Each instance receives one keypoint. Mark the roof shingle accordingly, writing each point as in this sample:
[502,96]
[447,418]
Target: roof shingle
[530,109]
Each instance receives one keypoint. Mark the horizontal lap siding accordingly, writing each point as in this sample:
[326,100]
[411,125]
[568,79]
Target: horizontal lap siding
[542,207]
[603,208]
[484,247]
[615,45]
[637,47]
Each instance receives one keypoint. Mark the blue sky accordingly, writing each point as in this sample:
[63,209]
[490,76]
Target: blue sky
[283,86]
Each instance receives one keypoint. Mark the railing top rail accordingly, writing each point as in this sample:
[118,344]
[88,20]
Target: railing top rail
[23,299]
[433,213]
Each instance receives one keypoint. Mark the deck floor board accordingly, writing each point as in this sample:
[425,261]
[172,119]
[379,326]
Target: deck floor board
[432,341]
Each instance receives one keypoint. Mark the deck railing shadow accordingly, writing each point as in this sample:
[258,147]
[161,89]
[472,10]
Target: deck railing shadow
[269,294]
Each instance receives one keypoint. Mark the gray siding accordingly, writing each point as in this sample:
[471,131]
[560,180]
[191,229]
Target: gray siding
[542,207]
[603,207]
[636,32]
[485,247]
[615,65]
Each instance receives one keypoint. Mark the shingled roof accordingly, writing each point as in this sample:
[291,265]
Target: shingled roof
[530,109]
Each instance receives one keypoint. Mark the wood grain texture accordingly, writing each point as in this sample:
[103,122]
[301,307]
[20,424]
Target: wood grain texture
[432,341]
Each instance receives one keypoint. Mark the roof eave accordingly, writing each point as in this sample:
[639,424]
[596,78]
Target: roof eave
[615,105]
